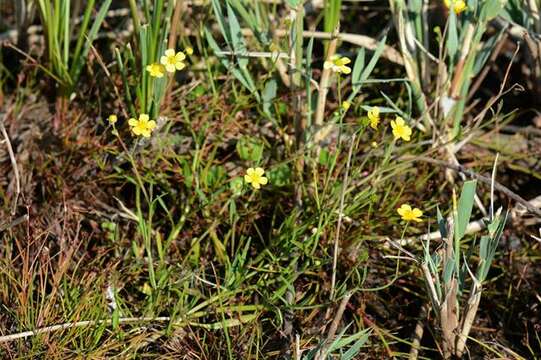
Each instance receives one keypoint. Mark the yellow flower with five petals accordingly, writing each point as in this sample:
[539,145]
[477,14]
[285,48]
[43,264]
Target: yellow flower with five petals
[338,64]
[173,60]
[142,126]
[410,214]
[400,129]
[255,177]
[156,70]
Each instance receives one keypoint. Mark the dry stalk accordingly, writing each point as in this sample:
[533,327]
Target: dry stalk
[176,25]
[325,80]
[454,91]
[13,164]
[448,311]
[322,354]
[418,333]
[467,321]
[340,217]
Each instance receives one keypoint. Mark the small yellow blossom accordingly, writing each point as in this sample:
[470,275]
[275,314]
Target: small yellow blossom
[374,144]
[373,116]
[156,70]
[112,119]
[338,64]
[255,177]
[143,126]
[173,61]
[346,105]
[400,129]
[458,5]
[189,50]
[409,214]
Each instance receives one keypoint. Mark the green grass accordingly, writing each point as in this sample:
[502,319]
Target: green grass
[157,248]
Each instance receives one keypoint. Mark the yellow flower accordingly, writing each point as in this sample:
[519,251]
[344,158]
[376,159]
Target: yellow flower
[400,129]
[346,105]
[409,214]
[374,144]
[173,61]
[112,119]
[338,64]
[255,177]
[458,5]
[143,126]
[189,50]
[156,70]
[373,116]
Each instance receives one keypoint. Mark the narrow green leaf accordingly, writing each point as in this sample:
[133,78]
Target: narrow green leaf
[78,63]
[269,93]
[465,205]
[237,40]
[452,36]
[442,223]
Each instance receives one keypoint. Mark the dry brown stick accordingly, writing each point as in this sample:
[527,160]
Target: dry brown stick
[53,328]
[176,25]
[367,42]
[13,163]
[325,80]
[418,333]
[340,217]
[481,77]
[503,189]
[334,327]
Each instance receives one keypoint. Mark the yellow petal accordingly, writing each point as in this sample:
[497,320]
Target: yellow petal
[259,171]
[143,117]
[180,65]
[345,60]
[263,180]
[145,133]
[248,178]
[133,122]
[405,207]
[417,212]
[151,124]
[256,185]
[250,172]
[170,52]
[327,65]
[180,56]
[346,70]
[400,121]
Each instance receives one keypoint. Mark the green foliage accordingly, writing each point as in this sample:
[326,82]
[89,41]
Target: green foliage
[456,314]
[65,63]
[250,149]
[231,31]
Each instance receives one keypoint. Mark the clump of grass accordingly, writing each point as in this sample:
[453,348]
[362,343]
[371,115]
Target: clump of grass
[65,62]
